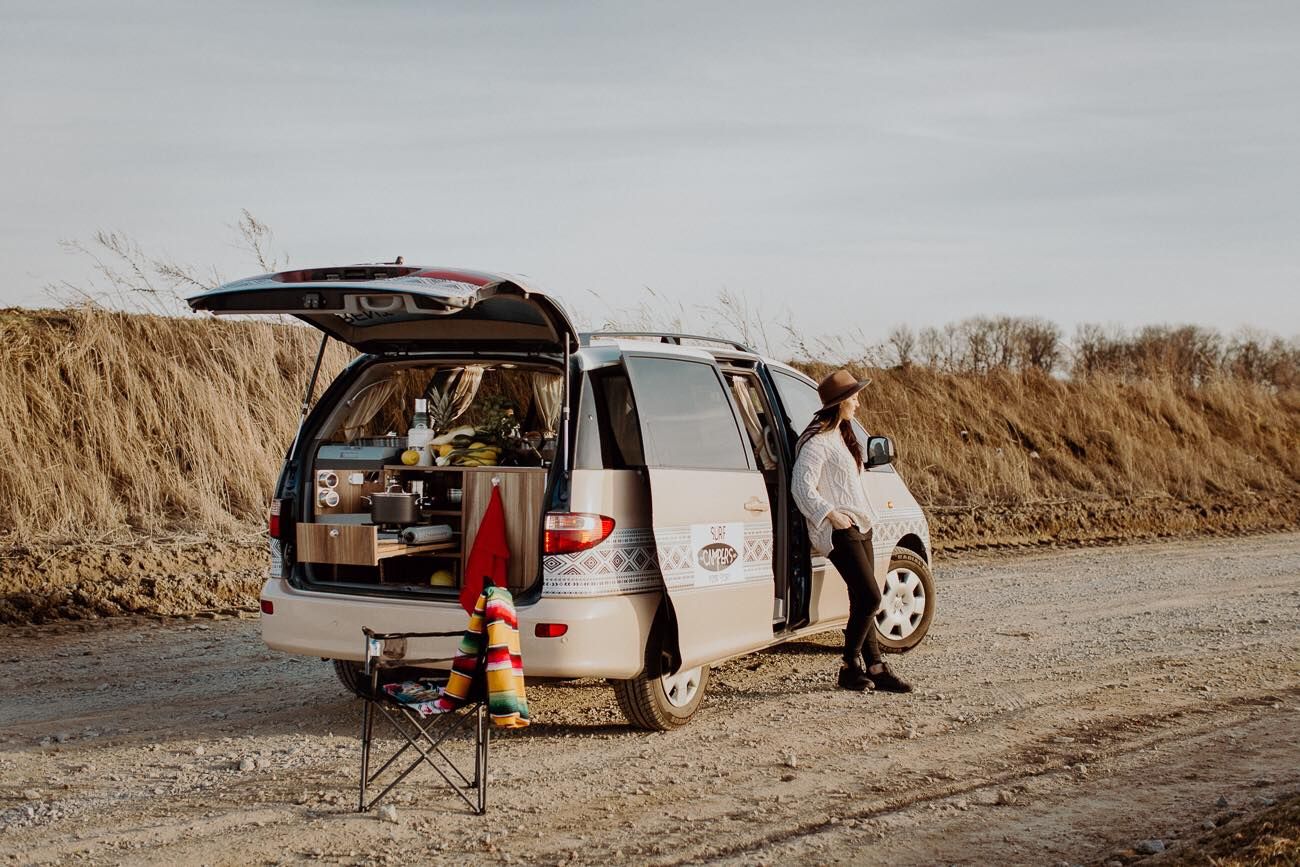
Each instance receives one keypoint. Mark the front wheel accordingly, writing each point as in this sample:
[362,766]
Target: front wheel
[906,604]
[662,702]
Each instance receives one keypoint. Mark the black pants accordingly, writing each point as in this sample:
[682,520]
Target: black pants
[854,557]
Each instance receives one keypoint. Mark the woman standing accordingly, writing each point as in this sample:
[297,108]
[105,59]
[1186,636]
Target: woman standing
[828,490]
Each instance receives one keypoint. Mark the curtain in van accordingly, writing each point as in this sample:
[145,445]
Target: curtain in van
[366,406]
[467,384]
[548,391]
[450,392]
[749,414]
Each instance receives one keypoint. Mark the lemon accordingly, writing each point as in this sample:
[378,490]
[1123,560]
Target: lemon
[445,449]
[442,578]
[411,457]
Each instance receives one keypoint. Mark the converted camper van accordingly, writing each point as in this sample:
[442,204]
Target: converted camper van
[643,479]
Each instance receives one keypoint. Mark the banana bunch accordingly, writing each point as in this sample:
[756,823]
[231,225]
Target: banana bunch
[464,451]
[476,455]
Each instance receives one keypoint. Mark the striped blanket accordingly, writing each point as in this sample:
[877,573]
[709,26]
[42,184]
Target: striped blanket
[493,621]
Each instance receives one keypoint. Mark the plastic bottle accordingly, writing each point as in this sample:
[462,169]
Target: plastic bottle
[419,435]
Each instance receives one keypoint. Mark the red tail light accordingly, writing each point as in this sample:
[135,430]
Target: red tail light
[268,607]
[550,630]
[273,525]
[567,532]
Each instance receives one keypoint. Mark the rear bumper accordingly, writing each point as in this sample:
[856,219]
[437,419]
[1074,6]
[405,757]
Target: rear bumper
[606,635]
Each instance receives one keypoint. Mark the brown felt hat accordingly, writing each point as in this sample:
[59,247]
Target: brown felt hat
[839,386]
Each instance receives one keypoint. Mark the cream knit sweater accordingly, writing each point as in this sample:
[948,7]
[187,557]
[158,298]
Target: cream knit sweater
[826,479]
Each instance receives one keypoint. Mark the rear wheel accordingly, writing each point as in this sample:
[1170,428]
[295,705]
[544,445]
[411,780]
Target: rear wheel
[662,702]
[351,675]
[906,604]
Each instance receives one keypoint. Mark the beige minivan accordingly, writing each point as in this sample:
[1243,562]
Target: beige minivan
[644,483]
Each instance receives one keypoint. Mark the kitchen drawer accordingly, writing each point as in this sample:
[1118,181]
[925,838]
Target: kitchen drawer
[352,545]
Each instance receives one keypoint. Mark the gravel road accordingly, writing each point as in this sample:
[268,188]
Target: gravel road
[1072,706]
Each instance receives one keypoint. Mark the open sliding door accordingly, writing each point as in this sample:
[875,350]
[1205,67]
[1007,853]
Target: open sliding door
[711,515]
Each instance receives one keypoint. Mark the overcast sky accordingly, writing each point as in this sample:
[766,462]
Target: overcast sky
[854,164]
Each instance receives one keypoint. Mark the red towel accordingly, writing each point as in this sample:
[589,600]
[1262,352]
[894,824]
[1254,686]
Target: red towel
[490,555]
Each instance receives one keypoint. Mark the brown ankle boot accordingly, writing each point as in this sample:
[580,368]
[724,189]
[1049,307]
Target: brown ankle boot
[886,681]
[853,677]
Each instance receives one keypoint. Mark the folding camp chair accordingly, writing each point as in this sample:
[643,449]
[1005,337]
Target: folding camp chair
[427,736]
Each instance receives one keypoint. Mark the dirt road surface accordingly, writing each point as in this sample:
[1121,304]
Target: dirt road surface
[1072,706]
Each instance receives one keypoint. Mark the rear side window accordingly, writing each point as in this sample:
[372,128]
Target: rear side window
[799,399]
[686,416]
[617,429]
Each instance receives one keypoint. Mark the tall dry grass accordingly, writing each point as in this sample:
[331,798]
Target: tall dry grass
[1019,437]
[116,425]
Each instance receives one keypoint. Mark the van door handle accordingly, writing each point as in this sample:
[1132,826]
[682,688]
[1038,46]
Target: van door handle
[755,504]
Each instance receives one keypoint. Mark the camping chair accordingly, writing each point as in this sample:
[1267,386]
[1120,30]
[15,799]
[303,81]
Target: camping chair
[427,736]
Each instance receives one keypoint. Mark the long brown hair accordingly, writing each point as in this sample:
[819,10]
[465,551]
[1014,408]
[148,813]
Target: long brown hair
[822,421]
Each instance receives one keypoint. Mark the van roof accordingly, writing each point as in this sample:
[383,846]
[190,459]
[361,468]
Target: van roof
[619,344]
[607,349]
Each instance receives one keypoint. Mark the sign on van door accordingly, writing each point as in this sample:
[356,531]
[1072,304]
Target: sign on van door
[718,553]
[709,505]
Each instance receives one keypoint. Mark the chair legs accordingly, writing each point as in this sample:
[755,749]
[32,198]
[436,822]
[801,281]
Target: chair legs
[481,756]
[427,736]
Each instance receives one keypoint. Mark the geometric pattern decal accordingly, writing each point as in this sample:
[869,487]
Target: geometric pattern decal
[276,569]
[678,566]
[630,561]
[888,532]
[623,563]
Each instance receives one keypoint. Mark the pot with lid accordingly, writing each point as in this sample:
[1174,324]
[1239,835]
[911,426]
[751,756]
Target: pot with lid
[394,507]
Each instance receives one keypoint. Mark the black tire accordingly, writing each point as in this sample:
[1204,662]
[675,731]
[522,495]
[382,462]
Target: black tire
[647,705]
[890,633]
[351,675]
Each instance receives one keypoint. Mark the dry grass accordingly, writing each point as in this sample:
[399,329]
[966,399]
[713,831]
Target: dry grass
[1269,838]
[1007,437]
[116,425]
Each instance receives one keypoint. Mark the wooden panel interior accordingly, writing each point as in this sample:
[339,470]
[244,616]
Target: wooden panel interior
[350,493]
[522,491]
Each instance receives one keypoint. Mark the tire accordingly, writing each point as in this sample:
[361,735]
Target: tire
[660,703]
[908,602]
[351,675]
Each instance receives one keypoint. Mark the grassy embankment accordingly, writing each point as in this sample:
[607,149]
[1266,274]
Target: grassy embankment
[138,448]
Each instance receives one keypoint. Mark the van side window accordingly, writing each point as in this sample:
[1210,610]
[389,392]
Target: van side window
[616,419]
[686,415]
[799,399]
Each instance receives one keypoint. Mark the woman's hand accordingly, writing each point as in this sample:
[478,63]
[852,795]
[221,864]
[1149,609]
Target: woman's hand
[839,520]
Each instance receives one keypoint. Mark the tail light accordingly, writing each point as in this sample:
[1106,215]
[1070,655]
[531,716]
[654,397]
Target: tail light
[550,630]
[273,524]
[567,532]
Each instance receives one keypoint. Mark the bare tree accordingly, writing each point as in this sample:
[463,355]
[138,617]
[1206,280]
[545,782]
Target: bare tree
[902,345]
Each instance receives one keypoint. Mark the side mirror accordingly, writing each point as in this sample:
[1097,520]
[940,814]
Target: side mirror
[880,451]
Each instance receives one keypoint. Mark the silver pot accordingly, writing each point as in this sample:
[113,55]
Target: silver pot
[394,506]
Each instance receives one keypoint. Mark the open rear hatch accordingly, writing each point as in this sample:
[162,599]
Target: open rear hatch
[387,309]
[393,311]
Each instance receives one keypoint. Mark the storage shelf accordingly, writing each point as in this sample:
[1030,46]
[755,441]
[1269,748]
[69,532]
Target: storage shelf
[490,468]
[391,548]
